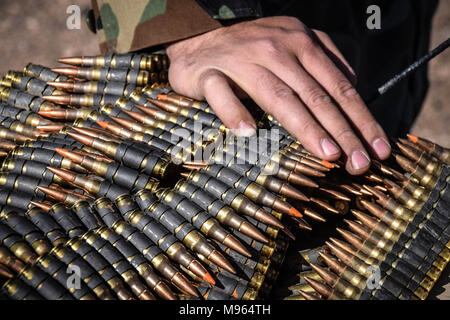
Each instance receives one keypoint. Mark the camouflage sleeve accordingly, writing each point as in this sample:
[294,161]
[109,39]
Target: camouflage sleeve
[132,25]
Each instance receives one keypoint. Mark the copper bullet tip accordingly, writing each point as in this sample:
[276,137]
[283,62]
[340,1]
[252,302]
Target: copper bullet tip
[69,71]
[323,289]
[302,180]
[250,230]
[65,86]
[148,110]
[135,115]
[267,218]
[308,296]
[233,243]
[64,174]
[82,138]
[313,215]
[218,259]
[75,61]
[293,193]
[55,194]
[43,206]
[63,99]
[51,127]
[185,174]
[181,282]
[163,291]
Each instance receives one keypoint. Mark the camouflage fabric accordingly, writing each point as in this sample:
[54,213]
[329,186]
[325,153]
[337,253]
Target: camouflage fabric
[124,26]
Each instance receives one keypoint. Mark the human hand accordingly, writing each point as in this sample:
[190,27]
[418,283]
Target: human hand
[292,72]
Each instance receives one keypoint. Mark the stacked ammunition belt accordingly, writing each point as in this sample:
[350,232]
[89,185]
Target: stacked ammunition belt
[103,196]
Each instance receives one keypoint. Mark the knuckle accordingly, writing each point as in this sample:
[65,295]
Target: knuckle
[268,83]
[370,125]
[316,97]
[345,90]
[270,47]
[293,22]
[208,78]
[344,134]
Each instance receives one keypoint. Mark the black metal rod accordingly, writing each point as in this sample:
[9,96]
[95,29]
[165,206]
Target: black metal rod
[410,69]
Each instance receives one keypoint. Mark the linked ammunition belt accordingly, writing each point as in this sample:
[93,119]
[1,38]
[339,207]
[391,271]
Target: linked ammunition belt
[104,195]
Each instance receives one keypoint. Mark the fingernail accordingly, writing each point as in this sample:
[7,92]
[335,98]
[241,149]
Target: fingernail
[360,160]
[381,147]
[329,147]
[245,129]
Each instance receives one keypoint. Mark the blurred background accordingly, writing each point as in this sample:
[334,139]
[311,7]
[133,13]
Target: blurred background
[35,31]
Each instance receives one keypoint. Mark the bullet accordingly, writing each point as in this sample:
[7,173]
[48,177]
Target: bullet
[137,261]
[323,204]
[443,154]
[131,157]
[384,169]
[391,205]
[425,179]
[252,190]
[307,169]
[185,232]
[199,219]
[65,114]
[165,145]
[385,216]
[50,127]
[231,197]
[58,195]
[13,136]
[33,85]
[83,100]
[219,209]
[421,158]
[43,73]
[5,272]
[335,194]
[341,270]
[96,87]
[123,176]
[308,296]
[124,75]
[205,118]
[156,232]
[97,133]
[185,102]
[403,196]
[268,166]
[324,290]
[337,284]
[152,62]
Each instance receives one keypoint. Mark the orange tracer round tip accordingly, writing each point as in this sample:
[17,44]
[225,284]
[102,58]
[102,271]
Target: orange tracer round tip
[208,278]
[327,164]
[413,138]
[162,97]
[294,212]
[102,124]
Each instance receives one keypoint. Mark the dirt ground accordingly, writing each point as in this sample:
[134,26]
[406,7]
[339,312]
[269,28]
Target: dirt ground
[32,30]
